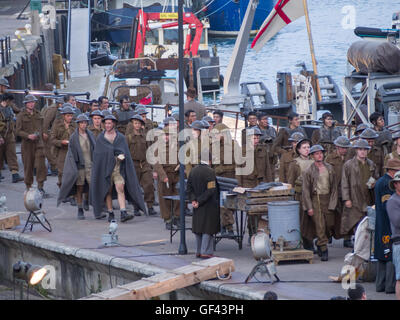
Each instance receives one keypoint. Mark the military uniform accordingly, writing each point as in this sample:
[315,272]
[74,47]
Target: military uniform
[295,178]
[385,275]
[137,146]
[325,136]
[57,135]
[392,155]
[354,178]
[32,151]
[124,118]
[286,158]
[95,131]
[282,140]
[7,149]
[50,115]
[319,193]
[376,156]
[262,172]
[337,162]
[226,171]
[170,170]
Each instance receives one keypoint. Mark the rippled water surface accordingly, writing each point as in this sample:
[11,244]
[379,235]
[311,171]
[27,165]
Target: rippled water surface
[331,41]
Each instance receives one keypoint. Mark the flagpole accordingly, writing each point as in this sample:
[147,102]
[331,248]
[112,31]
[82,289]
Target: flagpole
[310,39]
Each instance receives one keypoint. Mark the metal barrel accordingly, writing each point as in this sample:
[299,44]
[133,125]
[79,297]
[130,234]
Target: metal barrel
[284,220]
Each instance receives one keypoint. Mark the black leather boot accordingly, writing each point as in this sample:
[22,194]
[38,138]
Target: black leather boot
[111,216]
[81,214]
[125,216]
[324,255]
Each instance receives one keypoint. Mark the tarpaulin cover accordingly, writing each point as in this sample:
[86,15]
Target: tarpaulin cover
[369,56]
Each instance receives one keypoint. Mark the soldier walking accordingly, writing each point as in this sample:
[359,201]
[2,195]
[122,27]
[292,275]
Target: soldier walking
[166,171]
[375,154]
[137,146]
[7,139]
[295,177]
[319,198]
[59,137]
[358,180]
[224,166]
[29,127]
[337,158]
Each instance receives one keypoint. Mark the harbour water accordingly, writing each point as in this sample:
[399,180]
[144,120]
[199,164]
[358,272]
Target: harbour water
[332,23]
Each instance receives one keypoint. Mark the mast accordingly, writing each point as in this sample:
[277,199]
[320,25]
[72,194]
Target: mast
[310,40]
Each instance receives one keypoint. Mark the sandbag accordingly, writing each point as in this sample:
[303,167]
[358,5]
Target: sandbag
[370,56]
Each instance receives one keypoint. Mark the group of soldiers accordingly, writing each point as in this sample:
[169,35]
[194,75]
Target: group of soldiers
[333,176]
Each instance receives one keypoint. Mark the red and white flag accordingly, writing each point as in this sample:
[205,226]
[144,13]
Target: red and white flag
[284,12]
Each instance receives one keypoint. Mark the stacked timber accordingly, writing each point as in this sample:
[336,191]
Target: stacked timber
[256,201]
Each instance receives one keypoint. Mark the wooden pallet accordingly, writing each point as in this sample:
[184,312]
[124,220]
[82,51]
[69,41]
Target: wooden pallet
[9,220]
[188,275]
[292,255]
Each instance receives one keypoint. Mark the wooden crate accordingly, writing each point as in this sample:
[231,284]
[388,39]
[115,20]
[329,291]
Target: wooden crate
[9,220]
[292,255]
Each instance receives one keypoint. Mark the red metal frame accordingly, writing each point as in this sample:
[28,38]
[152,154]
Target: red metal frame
[190,19]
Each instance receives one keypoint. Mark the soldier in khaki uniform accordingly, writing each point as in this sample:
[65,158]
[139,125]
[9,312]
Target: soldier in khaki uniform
[30,128]
[319,198]
[261,171]
[50,115]
[4,85]
[225,169]
[7,139]
[336,158]
[196,145]
[96,126]
[148,124]
[288,156]
[375,154]
[59,137]
[166,171]
[295,177]
[358,180]
[137,146]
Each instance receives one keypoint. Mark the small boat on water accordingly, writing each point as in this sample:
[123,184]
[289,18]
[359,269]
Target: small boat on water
[226,16]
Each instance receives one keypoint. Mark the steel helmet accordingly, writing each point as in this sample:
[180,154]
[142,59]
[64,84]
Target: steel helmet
[169,120]
[137,117]
[110,117]
[97,113]
[254,131]
[4,82]
[361,144]
[361,127]
[342,142]
[67,109]
[369,133]
[205,124]
[82,117]
[208,119]
[396,136]
[296,137]
[198,125]
[316,147]
[30,98]
[141,110]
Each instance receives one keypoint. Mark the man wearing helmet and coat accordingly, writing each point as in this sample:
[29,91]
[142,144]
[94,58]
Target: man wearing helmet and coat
[358,180]
[319,198]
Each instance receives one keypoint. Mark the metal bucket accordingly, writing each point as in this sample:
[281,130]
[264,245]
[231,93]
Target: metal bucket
[284,220]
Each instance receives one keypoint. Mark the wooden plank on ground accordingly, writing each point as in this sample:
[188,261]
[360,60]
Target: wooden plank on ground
[292,255]
[9,220]
[188,275]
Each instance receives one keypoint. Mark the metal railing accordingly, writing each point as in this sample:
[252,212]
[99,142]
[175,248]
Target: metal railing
[199,86]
